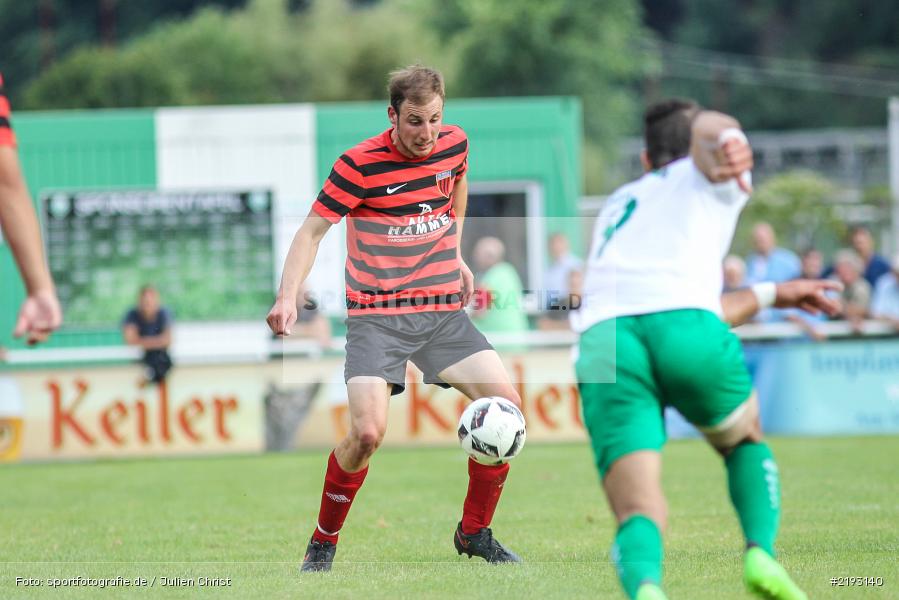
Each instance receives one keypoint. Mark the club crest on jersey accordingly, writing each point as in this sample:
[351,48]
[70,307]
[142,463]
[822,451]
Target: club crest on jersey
[445,182]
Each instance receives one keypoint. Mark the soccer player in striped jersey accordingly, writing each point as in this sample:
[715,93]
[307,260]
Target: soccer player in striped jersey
[404,193]
[653,334]
[40,313]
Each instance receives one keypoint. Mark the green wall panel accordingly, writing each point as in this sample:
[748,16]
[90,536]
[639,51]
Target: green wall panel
[71,150]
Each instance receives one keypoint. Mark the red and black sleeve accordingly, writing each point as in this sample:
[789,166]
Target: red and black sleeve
[7,136]
[343,191]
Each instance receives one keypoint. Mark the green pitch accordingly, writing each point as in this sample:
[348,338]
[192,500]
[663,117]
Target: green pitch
[249,518]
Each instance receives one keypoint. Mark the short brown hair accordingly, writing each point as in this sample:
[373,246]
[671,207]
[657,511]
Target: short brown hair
[415,83]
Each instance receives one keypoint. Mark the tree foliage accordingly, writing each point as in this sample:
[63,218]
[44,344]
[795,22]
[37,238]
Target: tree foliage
[821,56]
[265,53]
[34,34]
[540,47]
[338,50]
[249,51]
[803,208]
[154,70]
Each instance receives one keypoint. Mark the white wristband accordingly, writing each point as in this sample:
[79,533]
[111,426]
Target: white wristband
[731,133]
[765,293]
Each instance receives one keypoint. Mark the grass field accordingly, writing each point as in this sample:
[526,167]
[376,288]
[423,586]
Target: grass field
[249,518]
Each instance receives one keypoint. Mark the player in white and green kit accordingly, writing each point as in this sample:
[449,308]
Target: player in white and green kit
[652,336]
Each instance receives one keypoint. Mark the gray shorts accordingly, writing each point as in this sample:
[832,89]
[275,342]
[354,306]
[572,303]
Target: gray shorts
[380,345]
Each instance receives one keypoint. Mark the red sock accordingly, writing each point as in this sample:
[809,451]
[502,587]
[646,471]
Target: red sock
[485,484]
[337,497]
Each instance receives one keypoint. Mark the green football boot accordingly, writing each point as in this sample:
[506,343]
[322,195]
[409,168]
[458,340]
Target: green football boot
[650,591]
[767,579]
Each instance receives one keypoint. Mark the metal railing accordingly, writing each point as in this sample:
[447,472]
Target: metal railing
[248,343]
[854,158]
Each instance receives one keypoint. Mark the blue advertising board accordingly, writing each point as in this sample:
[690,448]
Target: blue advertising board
[846,387]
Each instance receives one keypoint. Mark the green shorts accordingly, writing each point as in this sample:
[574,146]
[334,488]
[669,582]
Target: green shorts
[688,359]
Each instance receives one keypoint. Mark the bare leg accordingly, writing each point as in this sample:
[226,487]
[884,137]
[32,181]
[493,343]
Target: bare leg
[368,401]
[634,489]
[348,465]
[481,374]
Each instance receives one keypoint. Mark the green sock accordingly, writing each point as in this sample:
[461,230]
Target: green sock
[755,492]
[637,553]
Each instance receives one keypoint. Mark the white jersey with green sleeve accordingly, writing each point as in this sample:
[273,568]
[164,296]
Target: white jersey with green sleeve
[658,245]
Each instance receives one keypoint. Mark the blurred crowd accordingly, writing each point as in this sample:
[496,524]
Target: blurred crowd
[503,304]
[871,282]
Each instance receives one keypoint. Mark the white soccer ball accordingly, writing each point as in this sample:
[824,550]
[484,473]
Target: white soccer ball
[492,430]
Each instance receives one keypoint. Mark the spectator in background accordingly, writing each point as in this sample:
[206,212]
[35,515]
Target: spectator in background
[555,279]
[885,305]
[498,301]
[575,288]
[848,268]
[149,325]
[812,264]
[311,323]
[556,316]
[769,263]
[40,313]
[875,265]
[734,273]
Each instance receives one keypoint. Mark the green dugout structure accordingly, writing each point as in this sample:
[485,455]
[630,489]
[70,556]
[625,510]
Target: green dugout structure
[112,169]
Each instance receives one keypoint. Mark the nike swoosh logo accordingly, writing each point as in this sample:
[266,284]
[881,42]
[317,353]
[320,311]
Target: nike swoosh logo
[390,190]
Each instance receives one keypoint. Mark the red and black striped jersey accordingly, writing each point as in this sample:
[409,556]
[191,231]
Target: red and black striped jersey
[401,225]
[7,137]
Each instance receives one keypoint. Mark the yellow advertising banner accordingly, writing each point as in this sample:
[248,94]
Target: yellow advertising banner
[429,415]
[105,412]
[279,405]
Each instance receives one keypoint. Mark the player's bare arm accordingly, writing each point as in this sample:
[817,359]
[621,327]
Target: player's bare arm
[300,259]
[808,294]
[460,204]
[20,225]
[40,313]
[720,149]
[153,342]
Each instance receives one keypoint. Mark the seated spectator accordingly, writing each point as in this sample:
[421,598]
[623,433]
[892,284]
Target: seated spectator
[769,263]
[555,279]
[575,288]
[875,265]
[498,301]
[734,273]
[885,305]
[812,264]
[556,316]
[149,325]
[856,296]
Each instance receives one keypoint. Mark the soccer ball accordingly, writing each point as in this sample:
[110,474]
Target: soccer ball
[492,430]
